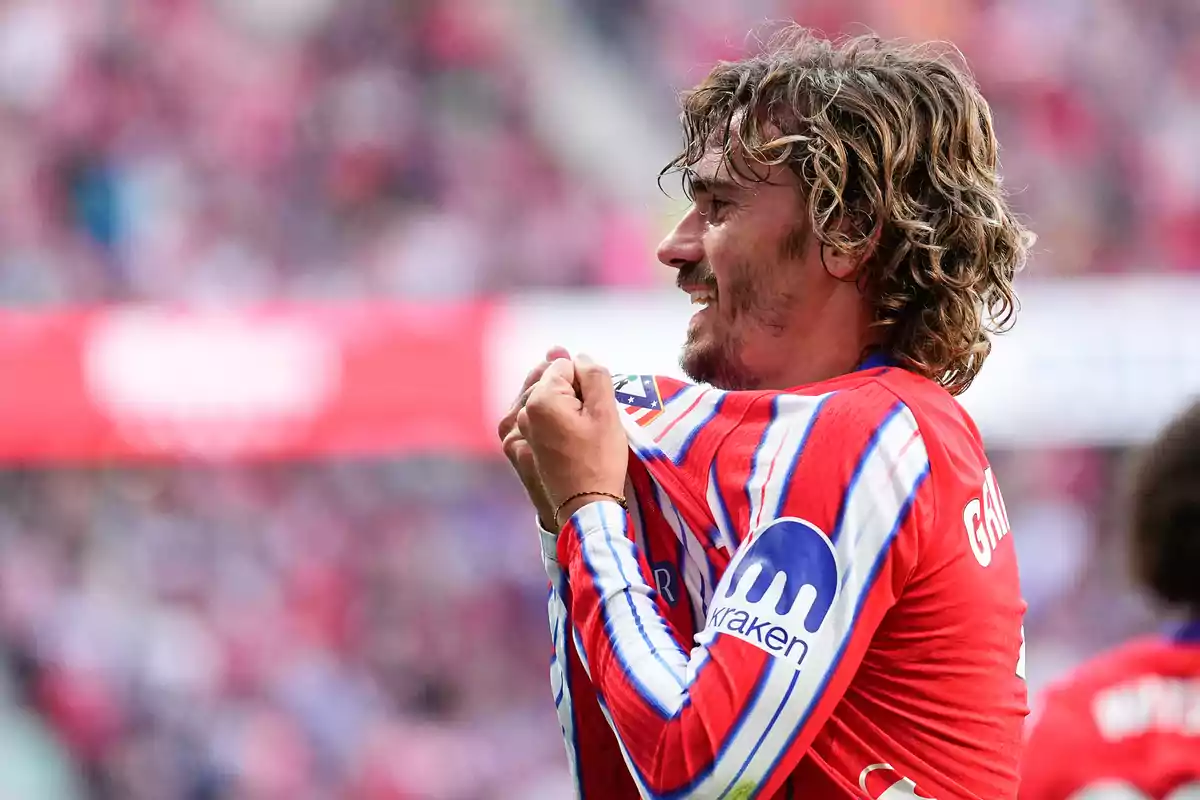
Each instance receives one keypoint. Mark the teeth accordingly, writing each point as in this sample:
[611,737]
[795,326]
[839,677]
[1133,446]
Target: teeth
[702,296]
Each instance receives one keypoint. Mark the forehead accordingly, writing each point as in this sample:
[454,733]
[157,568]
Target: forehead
[737,169]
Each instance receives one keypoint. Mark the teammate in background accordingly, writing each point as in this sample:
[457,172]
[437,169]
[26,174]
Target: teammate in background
[1127,725]
[796,581]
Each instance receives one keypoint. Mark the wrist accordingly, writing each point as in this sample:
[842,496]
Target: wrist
[569,507]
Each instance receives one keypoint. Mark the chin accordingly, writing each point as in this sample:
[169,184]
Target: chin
[716,364]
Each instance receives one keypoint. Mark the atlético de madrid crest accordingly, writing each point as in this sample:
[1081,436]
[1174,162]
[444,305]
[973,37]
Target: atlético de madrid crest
[640,396]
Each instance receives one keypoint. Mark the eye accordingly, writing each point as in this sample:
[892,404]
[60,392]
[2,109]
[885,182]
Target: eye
[714,206]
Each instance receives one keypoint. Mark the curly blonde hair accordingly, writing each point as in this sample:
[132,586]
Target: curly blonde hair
[897,156]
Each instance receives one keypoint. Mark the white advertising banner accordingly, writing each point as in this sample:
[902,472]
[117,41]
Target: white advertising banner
[1090,360]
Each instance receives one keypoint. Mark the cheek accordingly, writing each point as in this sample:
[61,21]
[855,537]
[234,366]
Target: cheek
[727,258]
[715,244]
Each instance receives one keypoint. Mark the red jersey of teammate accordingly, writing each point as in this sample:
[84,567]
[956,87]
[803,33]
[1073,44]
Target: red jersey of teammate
[1125,727]
[813,596]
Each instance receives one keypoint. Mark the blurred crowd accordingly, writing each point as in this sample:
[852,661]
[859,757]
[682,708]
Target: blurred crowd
[1096,102]
[367,631]
[376,631]
[226,150]
[239,149]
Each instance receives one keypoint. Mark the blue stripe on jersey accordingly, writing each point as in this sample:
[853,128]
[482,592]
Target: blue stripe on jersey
[753,465]
[565,690]
[691,437]
[611,633]
[638,777]
[862,598]
[668,398]
[791,473]
[722,506]
[858,470]
[575,637]
[766,731]
[743,715]
[681,569]
[650,452]
[901,516]
[657,493]
[637,499]
[663,711]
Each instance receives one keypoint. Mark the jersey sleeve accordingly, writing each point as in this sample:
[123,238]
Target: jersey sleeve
[598,768]
[821,495]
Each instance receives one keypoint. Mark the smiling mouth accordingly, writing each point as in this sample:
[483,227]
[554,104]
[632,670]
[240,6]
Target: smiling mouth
[702,295]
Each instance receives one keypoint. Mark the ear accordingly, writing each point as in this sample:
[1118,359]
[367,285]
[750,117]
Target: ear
[845,266]
[840,266]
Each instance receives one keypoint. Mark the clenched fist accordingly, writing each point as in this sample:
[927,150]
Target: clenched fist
[517,449]
[573,428]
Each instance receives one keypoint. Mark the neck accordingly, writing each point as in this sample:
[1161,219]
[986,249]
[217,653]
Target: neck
[829,346]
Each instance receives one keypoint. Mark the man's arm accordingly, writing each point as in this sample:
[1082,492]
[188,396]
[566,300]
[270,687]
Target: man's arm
[822,502]
[598,769]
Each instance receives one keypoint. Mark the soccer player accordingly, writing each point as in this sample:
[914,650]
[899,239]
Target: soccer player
[794,578]
[1127,725]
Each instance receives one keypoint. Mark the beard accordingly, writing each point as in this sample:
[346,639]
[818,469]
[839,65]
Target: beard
[717,363]
[714,350]
[752,299]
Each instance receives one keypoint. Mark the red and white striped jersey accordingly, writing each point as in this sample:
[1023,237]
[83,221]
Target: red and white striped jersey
[1125,726]
[813,595]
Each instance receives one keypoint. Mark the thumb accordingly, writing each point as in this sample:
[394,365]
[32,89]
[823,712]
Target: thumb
[595,385]
[561,371]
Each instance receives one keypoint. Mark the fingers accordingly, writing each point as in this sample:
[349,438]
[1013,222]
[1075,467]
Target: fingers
[513,441]
[507,424]
[524,398]
[553,395]
[534,375]
[531,378]
[560,377]
[595,385]
[557,376]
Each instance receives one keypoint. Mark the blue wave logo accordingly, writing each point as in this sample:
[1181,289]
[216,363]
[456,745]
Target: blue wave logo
[803,555]
[759,597]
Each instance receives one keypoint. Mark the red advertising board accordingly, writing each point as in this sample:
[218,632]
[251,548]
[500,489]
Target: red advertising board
[274,382]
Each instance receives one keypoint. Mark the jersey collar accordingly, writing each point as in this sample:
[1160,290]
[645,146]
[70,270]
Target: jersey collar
[875,360]
[1190,632]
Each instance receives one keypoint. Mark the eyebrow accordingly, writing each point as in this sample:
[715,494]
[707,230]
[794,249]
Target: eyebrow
[699,184]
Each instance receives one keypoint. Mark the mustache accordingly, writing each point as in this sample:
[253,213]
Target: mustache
[699,274]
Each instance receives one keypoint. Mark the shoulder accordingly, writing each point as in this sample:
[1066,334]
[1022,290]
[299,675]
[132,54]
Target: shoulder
[850,440]
[857,414]
[836,424]
[886,411]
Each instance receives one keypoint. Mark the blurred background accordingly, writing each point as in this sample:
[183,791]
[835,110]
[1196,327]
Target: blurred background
[272,268]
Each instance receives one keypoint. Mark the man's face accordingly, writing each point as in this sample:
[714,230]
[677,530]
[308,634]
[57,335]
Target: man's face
[742,254]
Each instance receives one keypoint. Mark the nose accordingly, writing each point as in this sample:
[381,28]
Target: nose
[684,245]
